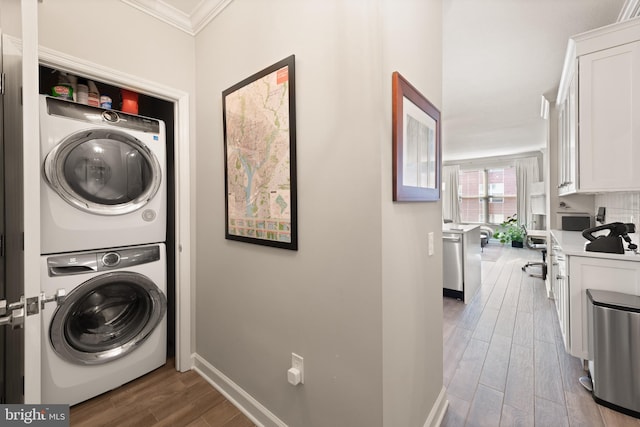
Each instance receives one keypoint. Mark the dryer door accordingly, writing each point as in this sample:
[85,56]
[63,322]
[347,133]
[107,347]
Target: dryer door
[106,318]
[103,171]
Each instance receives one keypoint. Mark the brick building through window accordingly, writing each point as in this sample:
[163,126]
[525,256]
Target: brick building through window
[487,196]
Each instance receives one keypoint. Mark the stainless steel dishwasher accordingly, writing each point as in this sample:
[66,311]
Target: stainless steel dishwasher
[452,254]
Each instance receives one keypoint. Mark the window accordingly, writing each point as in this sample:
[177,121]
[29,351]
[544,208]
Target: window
[487,196]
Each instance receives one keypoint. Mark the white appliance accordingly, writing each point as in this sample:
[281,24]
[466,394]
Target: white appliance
[110,326]
[103,178]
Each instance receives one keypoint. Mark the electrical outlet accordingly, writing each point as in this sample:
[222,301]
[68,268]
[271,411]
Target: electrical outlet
[297,362]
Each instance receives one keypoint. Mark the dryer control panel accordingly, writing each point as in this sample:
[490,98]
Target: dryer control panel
[90,114]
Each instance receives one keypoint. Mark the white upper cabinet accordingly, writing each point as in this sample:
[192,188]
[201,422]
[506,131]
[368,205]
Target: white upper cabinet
[599,111]
[610,119]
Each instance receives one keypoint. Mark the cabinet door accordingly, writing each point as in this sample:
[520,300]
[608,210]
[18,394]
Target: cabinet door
[562,153]
[595,273]
[562,306]
[567,153]
[561,295]
[572,136]
[609,127]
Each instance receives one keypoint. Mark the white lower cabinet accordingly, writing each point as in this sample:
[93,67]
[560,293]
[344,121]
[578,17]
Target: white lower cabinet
[561,283]
[590,273]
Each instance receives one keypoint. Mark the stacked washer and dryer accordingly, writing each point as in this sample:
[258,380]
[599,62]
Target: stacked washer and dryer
[103,227]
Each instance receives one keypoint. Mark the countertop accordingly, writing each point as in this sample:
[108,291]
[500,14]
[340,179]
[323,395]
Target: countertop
[458,228]
[572,243]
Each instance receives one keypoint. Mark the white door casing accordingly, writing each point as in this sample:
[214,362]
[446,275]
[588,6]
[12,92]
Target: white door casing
[31,193]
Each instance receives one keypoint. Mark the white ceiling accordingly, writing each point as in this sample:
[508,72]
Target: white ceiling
[499,58]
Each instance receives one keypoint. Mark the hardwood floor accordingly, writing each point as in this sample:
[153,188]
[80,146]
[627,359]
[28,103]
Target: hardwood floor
[163,397]
[504,360]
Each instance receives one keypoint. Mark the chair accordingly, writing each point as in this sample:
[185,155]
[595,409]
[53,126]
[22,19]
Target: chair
[485,234]
[536,242]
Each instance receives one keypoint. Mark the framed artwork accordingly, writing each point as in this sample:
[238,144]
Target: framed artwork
[260,158]
[417,158]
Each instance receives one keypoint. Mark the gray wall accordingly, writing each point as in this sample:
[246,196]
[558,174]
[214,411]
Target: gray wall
[360,300]
[110,33]
[411,280]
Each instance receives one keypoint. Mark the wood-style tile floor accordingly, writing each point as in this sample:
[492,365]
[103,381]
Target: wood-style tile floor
[504,360]
[164,397]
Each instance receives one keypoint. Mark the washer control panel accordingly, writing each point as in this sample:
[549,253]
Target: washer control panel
[92,262]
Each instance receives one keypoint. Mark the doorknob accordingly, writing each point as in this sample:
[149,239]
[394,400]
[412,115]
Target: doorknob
[15,319]
[15,311]
[8,308]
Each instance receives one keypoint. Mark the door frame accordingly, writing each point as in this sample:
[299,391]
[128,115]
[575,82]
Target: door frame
[58,60]
[183,303]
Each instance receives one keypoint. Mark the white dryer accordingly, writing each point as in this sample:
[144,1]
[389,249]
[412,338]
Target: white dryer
[111,326]
[103,178]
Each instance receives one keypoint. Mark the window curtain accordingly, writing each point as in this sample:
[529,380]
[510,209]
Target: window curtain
[450,202]
[527,172]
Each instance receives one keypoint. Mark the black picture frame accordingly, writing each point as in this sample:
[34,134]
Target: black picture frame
[417,151]
[259,125]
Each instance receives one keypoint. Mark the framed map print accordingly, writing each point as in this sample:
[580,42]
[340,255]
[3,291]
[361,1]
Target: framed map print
[416,144]
[260,158]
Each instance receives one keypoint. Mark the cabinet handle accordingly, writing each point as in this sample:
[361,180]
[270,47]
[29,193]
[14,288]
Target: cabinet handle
[560,277]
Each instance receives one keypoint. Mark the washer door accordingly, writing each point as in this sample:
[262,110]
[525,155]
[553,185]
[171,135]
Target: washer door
[106,318]
[103,171]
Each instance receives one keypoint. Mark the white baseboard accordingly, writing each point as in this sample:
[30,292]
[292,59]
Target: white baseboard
[438,410]
[249,406]
[262,417]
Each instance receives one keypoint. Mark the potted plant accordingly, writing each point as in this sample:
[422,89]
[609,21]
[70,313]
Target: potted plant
[510,231]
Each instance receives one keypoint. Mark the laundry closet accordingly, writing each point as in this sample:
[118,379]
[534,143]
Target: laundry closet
[107,235]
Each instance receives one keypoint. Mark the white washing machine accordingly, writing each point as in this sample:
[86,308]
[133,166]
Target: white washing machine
[103,178]
[110,328]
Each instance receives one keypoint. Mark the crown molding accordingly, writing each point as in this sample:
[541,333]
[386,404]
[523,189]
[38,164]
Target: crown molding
[630,9]
[205,12]
[190,24]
